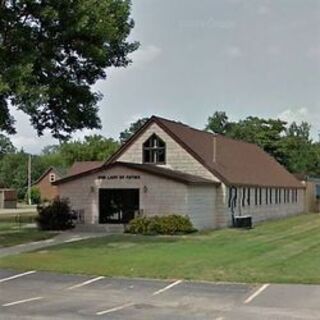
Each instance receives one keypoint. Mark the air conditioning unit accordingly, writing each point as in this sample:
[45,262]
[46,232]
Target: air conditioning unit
[244,222]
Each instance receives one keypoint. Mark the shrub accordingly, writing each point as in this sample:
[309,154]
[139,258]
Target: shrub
[56,215]
[171,224]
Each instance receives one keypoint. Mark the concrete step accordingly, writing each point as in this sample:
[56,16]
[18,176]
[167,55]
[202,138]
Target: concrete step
[107,228]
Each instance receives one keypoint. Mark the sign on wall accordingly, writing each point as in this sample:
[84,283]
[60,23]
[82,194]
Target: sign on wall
[120,177]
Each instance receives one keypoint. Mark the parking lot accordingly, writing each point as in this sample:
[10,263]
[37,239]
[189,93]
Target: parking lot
[40,295]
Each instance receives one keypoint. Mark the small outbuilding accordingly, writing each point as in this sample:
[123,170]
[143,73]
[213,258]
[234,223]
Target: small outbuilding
[8,199]
[168,167]
[312,192]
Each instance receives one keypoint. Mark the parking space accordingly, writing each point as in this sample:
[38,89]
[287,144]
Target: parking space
[42,295]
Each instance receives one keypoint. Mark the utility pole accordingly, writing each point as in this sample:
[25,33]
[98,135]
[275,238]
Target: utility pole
[29,180]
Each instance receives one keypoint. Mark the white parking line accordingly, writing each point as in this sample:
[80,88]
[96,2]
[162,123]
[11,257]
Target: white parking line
[85,283]
[255,294]
[22,301]
[167,288]
[124,306]
[17,276]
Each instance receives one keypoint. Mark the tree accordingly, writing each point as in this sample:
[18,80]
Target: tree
[52,52]
[290,144]
[218,123]
[133,128]
[14,172]
[95,147]
[6,145]
[266,133]
[301,154]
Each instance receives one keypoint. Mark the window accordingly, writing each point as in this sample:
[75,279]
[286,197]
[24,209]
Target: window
[318,191]
[267,195]
[271,192]
[244,196]
[256,196]
[233,193]
[280,195]
[154,150]
[277,196]
[52,177]
[260,196]
[249,197]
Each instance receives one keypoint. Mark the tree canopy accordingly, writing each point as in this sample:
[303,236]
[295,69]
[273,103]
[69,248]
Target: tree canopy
[133,128]
[52,52]
[6,145]
[290,144]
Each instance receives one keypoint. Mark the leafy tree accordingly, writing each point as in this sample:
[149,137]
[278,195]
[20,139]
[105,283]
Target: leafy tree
[290,144]
[133,128]
[52,52]
[301,154]
[14,172]
[6,145]
[218,123]
[95,147]
[35,196]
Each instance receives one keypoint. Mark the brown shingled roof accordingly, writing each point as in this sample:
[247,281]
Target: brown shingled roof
[152,169]
[83,166]
[233,161]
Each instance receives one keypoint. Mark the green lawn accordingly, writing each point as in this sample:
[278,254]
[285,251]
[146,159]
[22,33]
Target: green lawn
[12,234]
[278,251]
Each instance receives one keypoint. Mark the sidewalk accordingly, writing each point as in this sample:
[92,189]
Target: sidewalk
[64,237]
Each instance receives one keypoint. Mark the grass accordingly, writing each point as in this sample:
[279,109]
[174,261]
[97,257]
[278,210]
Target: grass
[285,251]
[13,233]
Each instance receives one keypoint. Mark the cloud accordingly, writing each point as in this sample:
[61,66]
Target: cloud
[234,52]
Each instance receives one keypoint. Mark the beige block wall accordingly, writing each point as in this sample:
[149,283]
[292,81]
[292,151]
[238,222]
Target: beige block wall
[176,157]
[258,212]
[163,196]
[201,206]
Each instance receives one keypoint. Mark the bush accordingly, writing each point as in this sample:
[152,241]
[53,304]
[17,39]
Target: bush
[56,215]
[171,224]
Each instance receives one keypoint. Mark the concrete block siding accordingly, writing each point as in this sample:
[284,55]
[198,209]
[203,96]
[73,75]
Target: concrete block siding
[265,211]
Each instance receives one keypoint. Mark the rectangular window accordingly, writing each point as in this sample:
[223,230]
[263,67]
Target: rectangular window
[271,197]
[243,197]
[256,196]
[260,196]
[249,196]
[280,195]
[318,191]
[267,195]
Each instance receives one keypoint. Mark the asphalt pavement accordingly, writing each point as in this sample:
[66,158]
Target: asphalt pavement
[40,295]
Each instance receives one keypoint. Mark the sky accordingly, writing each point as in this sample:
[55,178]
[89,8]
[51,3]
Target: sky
[245,57]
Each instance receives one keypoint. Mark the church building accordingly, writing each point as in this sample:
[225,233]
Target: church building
[170,168]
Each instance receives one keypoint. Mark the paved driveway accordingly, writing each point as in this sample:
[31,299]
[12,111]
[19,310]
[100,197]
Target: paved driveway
[39,295]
